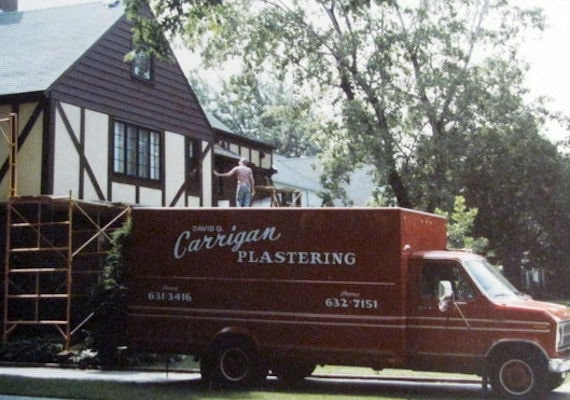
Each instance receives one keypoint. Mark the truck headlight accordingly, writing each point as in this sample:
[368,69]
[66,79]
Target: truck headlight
[563,335]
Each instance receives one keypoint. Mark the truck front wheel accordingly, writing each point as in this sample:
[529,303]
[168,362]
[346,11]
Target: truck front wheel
[519,375]
[233,363]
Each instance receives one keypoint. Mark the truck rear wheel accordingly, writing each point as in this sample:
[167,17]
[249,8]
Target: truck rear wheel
[233,363]
[519,375]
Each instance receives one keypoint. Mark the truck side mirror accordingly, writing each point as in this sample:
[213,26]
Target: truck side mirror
[445,295]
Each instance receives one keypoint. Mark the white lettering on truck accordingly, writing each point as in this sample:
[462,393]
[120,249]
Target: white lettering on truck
[296,257]
[235,239]
[214,237]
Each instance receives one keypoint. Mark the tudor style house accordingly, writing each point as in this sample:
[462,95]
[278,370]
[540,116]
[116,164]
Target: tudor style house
[83,133]
[92,125]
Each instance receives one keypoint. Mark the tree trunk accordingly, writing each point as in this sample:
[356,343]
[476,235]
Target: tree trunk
[400,191]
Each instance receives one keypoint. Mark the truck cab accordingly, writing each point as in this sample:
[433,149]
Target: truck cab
[483,325]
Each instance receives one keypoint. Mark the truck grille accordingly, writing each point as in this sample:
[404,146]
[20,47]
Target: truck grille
[564,335]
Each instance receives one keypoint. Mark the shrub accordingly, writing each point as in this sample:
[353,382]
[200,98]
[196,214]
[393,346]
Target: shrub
[39,349]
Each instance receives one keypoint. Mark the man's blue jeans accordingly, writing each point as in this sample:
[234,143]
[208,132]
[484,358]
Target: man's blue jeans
[243,196]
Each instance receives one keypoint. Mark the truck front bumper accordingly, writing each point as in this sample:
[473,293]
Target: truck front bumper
[559,365]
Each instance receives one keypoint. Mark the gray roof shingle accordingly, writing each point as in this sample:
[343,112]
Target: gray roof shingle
[39,46]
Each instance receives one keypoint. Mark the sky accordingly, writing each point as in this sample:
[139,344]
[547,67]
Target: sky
[546,52]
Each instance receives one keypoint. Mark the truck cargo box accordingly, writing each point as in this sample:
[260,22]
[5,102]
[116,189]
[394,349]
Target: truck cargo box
[306,281]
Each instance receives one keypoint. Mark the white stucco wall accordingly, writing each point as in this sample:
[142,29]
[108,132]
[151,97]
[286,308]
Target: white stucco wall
[175,161]
[66,158]
[96,145]
[124,193]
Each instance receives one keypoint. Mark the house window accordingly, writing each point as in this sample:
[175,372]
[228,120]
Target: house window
[136,152]
[141,66]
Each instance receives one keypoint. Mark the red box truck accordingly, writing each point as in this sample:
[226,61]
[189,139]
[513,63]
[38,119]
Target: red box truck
[253,291]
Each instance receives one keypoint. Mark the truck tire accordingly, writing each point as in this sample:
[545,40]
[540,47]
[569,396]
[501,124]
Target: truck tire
[292,372]
[519,375]
[232,363]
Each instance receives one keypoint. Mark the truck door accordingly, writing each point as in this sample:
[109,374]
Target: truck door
[451,340]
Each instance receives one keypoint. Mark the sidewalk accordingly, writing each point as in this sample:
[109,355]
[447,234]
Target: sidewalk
[8,397]
[96,374]
[91,374]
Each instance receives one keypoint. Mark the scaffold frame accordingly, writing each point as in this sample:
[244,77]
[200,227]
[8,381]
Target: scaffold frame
[280,197]
[11,137]
[55,248]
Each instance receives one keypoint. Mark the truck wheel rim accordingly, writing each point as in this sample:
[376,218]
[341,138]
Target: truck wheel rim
[516,377]
[234,365]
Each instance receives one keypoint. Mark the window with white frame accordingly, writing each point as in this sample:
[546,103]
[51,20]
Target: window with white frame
[136,152]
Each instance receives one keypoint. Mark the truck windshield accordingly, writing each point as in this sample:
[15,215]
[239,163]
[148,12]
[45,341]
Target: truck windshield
[490,280]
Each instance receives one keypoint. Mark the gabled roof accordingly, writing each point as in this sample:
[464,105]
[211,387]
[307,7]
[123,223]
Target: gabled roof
[227,132]
[40,45]
[217,124]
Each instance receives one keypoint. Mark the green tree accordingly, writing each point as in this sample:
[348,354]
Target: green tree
[264,110]
[394,74]
[428,92]
[521,186]
[460,227]
[150,34]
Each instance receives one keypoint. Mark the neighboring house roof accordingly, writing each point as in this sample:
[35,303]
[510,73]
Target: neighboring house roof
[304,173]
[297,173]
[49,41]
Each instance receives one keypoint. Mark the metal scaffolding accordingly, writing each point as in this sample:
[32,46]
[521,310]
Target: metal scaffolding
[11,137]
[280,197]
[55,254]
